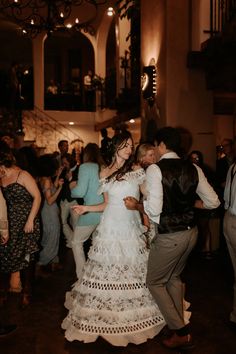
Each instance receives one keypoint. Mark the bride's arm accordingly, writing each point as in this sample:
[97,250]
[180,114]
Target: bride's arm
[82,209]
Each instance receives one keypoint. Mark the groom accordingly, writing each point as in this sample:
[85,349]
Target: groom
[172,185]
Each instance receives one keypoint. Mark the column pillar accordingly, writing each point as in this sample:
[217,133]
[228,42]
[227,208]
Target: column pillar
[38,66]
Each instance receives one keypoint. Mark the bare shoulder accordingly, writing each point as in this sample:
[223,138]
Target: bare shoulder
[25,176]
[136,167]
[26,180]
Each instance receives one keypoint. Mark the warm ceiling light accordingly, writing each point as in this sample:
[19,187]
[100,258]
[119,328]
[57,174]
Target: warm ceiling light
[69,25]
[71,123]
[132,121]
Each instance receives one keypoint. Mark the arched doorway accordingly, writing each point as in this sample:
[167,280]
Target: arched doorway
[67,59]
[16,77]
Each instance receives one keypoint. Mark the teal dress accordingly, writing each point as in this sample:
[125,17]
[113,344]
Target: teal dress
[51,232]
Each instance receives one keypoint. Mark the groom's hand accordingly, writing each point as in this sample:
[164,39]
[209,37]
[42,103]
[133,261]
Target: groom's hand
[131,203]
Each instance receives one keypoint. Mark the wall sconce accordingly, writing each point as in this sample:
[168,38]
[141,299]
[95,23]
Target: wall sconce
[110,11]
[149,82]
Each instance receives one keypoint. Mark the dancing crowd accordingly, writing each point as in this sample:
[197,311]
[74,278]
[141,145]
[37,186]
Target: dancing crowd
[139,206]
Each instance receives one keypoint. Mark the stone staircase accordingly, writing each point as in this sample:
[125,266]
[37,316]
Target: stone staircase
[45,131]
[38,128]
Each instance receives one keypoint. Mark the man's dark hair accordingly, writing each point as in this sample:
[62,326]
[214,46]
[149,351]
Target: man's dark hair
[104,132]
[47,165]
[61,142]
[170,137]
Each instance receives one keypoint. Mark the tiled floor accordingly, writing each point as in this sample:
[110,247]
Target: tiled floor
[209,289]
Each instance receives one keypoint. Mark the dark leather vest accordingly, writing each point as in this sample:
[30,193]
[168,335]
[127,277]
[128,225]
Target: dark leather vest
[179,180]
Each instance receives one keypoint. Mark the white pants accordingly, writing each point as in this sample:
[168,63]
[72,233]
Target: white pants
[66,211]
[81,234]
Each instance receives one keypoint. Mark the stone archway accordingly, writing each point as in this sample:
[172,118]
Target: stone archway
[67,59]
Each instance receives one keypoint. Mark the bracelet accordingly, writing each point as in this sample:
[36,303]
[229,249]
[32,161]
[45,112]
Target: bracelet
[4,224]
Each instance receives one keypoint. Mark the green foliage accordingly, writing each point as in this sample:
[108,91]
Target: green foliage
[128,8]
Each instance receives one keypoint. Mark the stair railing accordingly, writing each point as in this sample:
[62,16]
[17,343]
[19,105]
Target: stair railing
[221,13]
[46,131]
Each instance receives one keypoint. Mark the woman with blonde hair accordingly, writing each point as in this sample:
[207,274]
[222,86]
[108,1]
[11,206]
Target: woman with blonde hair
[145,155]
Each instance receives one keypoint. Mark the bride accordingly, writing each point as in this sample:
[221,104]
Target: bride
[111,300]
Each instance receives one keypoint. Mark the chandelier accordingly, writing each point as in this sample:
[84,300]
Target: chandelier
[36,16]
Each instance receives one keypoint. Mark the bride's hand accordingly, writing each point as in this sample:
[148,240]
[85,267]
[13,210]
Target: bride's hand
[79,209]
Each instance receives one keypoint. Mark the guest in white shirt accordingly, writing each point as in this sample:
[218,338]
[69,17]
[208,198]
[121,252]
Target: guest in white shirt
[230,226]
[89,91]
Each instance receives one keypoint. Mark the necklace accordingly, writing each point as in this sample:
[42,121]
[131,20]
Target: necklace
[117,167]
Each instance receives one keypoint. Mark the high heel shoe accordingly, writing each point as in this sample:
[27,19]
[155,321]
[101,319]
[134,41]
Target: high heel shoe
[25,300]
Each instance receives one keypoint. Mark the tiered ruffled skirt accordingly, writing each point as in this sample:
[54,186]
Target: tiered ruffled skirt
[112,300]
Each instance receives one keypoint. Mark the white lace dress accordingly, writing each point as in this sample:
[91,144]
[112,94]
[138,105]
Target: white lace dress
[112,300]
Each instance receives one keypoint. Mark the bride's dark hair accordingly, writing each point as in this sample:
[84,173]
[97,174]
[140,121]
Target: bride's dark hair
[118,142]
